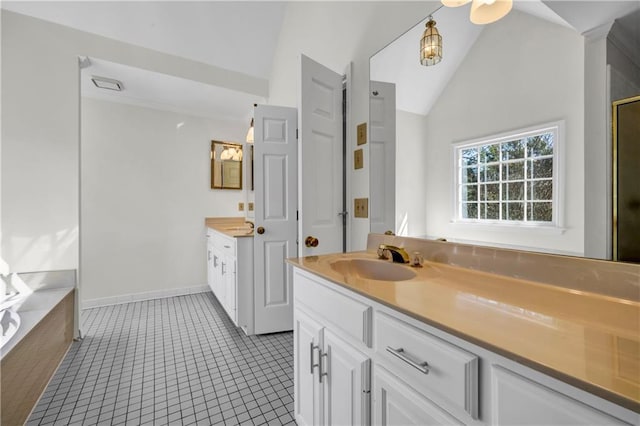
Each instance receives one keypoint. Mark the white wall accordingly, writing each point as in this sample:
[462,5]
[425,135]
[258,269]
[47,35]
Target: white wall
[597,141]
[334,34]
[492,92]
[145,191]
[411,177]
[40,131]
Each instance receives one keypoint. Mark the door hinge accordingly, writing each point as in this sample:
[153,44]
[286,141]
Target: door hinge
[297,215]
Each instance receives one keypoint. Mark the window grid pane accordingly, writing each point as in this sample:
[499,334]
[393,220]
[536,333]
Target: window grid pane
[508,181]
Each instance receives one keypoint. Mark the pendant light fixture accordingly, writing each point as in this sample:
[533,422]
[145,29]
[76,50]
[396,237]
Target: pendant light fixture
[483,11]
[250,132]
[488,11]
[454,3]
[430,44]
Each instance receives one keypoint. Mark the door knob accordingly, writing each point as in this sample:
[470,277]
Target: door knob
[260,230]
[389,232]
[311,241]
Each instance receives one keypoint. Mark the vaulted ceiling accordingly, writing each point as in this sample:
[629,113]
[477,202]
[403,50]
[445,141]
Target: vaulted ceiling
[242,36]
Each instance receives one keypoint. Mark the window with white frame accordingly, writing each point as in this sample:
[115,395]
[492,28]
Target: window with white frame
[510,179]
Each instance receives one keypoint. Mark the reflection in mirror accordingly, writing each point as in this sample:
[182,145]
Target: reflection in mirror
[522,72]
[226,165]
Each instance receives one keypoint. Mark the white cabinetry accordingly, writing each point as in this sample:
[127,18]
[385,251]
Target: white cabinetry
[398,404]
[520,401]
[421,375]
[230,276]
[443,372]
[332,376]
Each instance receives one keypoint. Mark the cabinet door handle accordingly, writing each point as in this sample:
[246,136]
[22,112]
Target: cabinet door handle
[326,372]
[215,261]
[208,254]
[227,246]
[312,348]
[422,367]
[223,271]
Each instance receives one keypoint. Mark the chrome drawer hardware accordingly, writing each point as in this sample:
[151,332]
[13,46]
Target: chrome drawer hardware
[423,367]
[215,261]
[326,372]
[223,271]
[312,348]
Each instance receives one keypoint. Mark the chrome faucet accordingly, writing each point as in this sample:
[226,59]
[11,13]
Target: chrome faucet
[398,254]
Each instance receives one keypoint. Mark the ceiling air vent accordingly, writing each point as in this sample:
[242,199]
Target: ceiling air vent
[107,83]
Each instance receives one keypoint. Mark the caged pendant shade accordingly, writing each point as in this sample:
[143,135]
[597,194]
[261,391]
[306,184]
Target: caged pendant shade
[430,44]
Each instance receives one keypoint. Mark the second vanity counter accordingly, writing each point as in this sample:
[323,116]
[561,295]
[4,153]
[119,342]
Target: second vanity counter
[235,227]
[585,339]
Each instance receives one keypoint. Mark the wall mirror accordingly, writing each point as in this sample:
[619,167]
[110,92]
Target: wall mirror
[524,70]
[226,165]
[626,148]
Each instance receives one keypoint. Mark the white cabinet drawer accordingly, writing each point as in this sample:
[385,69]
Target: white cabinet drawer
[346,314]
[226,245]
[441,371]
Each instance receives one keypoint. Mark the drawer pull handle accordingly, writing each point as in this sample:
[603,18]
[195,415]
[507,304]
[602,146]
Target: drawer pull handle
[227,246]
[423,367]
[320,364]
[312,348]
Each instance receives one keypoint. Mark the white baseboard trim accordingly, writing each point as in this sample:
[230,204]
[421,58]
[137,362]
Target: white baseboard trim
[138,297]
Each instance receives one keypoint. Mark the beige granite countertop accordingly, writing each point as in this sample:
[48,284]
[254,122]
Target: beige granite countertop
[589,340]
[235,227]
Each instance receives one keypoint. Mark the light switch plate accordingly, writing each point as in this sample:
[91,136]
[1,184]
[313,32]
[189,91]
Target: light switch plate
[361,207]
[362,133]
[250,206]
[358,159]
[241,207]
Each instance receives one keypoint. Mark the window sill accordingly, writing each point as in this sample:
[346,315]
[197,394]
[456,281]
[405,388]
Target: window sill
[509,227]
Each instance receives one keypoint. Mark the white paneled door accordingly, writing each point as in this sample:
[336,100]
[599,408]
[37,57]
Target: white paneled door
[275,166]
[320,168]
[382,157]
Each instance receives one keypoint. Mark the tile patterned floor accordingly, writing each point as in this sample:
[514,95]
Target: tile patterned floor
[175,361]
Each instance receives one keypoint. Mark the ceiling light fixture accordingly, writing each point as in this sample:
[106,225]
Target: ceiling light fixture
[483,11]
[430,44]
[107,83]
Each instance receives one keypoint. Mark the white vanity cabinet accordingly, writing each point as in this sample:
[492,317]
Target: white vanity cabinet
[332,375]
[398,404]
[230,276]
[358,361]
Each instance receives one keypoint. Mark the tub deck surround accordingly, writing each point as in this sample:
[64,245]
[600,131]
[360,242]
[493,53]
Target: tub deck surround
[235,227]
[32,309]
[33,354]
[586,339]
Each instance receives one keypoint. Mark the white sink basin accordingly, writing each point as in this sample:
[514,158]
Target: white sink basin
[371,269]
